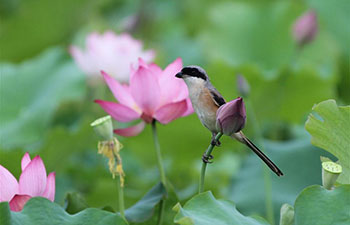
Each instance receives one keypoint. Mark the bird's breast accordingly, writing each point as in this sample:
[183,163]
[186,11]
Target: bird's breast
[205,107]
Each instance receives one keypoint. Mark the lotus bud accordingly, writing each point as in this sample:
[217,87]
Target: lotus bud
[231,117]
[305,28]
[243,86]
[287,215]
[104,128]
[330,173]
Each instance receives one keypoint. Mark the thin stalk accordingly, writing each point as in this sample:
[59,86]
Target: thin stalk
[268,195]
[121,199]
[159,155]
[204,164]
[120,194]
[161,171]
[161,211]
[266,171]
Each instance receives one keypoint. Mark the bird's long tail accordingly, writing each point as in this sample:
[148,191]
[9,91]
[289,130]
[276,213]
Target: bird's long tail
[242,138]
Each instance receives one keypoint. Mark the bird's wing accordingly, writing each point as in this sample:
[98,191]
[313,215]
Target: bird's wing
[217,97]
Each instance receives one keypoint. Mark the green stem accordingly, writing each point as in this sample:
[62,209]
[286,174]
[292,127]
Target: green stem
[121,199]
[268,195]
[161,211]
[159,155]
[204,164]
[120,192]
[266,171]
[161,171]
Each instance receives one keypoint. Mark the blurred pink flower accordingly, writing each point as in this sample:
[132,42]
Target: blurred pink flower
[305,28]
[32,182]
[153,93]
[111,53]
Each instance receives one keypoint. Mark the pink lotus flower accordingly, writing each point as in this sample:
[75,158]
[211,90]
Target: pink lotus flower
[111,53]
[305,28]
[153,94]
[32,182]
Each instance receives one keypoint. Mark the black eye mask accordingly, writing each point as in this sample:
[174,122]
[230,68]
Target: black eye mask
[194,72]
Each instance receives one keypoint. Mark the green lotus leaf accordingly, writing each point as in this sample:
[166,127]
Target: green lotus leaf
[204,209]
[31,94]
[143,209]
[317,205]
[41,211]
[330,130]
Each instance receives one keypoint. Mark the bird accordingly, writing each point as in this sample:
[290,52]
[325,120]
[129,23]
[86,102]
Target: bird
[206,100]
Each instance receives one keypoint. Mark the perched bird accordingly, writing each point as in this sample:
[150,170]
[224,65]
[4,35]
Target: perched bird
[206,101]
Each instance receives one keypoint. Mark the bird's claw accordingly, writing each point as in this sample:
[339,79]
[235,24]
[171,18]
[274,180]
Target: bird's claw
[215,143]
[206,159]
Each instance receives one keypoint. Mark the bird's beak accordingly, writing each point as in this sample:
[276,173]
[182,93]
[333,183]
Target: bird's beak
[179,75]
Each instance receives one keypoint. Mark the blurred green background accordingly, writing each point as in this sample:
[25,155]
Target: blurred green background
[46,105]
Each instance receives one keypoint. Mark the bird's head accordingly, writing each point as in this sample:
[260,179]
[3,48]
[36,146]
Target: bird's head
[193,75]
